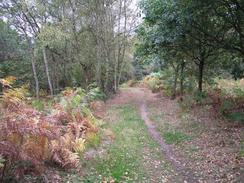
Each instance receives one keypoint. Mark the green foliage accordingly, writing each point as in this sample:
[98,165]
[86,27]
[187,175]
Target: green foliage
[93,140]
[38,105]
[200,97]
[168,77]
[129,83]
[73,98]
[226,106]
[76,101]
[231,87]
[10,45]
[230,96]
[175,137]
[14,59]
[74,56]
[154,82]
[187,102]
[53,36]
[242,149]
[95,93]
[236,116]
[1,161]
[191,32]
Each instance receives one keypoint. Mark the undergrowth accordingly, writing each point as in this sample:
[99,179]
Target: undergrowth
[242,149]
[31,136]
[154,82]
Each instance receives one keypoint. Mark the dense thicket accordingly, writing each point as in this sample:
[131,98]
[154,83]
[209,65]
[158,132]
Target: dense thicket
[196,40]
[55,44]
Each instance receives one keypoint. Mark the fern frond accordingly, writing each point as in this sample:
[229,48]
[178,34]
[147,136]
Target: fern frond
[79,145]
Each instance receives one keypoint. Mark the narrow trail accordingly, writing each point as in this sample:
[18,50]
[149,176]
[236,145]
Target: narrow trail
[183,171]
[140,97]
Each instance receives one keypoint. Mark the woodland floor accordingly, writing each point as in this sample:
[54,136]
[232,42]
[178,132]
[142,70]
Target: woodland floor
[148,138]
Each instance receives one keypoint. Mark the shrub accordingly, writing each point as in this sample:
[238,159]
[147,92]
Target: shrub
[2,160]
[230,87]
[242,149]
[29,137]
[236,116]
[8,81]
[93,139]
[187,102]
[95,94]
[226,106]
[200,97]
[130,83]
[154,82]
[38,105]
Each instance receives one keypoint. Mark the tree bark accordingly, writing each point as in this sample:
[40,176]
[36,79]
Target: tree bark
[182,78]
[124,43]
[176,69]
[47,70]
[116,72]
[33,63]
[200,77]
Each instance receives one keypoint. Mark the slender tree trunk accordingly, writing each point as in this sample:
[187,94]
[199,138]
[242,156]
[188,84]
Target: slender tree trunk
[182,78]
[106,84]
[33,63]
[124,43]
[120,73]
[99,66]
[54,74]
[47,70]
[174,90]
[200,77]
[116,72]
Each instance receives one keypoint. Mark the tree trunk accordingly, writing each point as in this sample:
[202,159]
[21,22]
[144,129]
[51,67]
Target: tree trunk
[106,84]
[47,70]
[33,63]
[182,78]
[117,64]
[120,68]
[99,68]
[176,69]
[54,75]
[200,77]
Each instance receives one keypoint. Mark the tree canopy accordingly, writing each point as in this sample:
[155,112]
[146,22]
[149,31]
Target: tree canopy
[206,35]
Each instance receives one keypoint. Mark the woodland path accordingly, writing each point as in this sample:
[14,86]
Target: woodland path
[141,98]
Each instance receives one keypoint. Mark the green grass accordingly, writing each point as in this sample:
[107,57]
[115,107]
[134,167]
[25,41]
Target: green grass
[93,140]
[242,149]
[175,137]
[123,160]
[174,134]
[158,117]
[38,105]
[236,116]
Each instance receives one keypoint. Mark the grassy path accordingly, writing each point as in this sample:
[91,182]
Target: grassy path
[151,142]
[186,174]
[133,156]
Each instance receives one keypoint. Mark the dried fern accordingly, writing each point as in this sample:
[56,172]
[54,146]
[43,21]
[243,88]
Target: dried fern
[27,135]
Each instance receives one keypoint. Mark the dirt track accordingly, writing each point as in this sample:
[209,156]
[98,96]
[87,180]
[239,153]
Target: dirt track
[141,97]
